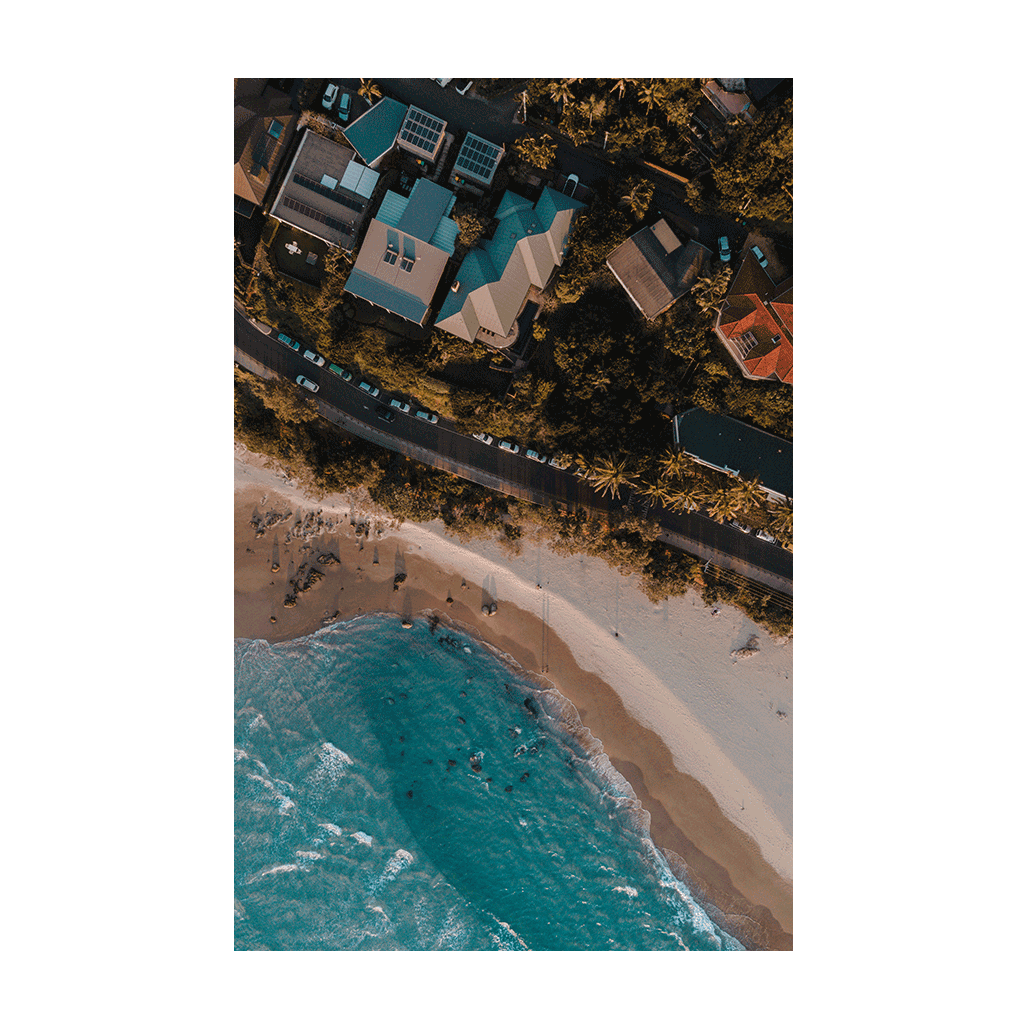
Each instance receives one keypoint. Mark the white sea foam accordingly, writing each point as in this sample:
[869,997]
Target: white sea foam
[394,865]
[280,869]
[309,855]
[327,772]
[627,890]
[362,837]
[334,829]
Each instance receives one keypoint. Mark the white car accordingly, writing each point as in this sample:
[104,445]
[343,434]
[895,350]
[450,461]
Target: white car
[307,383]
[483,437]
[403,408]
[571,180]
[559,464]
[369,388]
[330,96]
[535,455]
[314,358]
[513,447]
[426,416]
[463,89]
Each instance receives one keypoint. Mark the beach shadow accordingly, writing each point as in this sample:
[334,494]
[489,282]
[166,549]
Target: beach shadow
[374,559]
[399,564]
[274,550]
[407,606]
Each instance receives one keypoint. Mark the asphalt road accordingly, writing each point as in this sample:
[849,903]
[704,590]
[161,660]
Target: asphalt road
[443,447]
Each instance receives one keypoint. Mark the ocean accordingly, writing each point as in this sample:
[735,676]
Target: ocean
[411,789]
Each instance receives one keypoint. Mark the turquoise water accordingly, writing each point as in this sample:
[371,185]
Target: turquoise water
[406,789]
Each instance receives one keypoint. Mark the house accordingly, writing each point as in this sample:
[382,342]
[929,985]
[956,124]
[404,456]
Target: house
[476,164]
[374,133]
[405,251]
[735,448]
[421,134]
[494,279]
[264,127]
[655,268]
[728,100]
[755,323]
[326,191]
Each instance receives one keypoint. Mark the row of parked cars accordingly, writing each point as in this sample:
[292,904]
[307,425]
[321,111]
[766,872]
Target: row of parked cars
[329,99]
[726,252]
[506,444]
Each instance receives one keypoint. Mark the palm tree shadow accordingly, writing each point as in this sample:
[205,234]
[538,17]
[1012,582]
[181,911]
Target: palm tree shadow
[399,564]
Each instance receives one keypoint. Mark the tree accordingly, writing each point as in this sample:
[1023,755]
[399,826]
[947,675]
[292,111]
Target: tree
[722,502]
[638,197]
[781,522]
[538,152]
[610,474]
[653,94]
[369,90]
[560,92]
[593,106]
[658,491]
[620,84]
[675,464]
[709,290]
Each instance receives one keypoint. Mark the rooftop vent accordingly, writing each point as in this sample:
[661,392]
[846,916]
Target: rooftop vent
[776,339]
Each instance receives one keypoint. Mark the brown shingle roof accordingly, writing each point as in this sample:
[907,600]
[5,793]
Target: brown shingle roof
[257,154]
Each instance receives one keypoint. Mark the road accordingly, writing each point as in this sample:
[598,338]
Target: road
[442,446]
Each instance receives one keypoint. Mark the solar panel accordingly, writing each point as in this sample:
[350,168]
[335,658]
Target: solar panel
[478,158]
[329,194]
[421,130]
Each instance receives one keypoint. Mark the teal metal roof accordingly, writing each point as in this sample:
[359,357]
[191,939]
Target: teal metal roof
[428,204]
[550,203]
[383,294]
[511,202]
[737,448]
[445,235]
[391,209]
[374,132]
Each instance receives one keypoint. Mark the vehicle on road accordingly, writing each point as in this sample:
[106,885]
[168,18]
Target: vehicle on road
[427,416]
[403,408]
[315,358]
[726,250]
[341,372]
[535,455]
[556,462]
[571,180]
[291,343]
[483,437]
[369,388]
[513,447]
[344,107]
[385,413]
[761,259]
[330,96]
[307,383]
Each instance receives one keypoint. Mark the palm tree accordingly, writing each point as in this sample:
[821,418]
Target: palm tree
[593,106]
[619,85]
[652,94]
[657,491]
[369,90]
[684,496]
[750,493]
[674,464]
[781,522]
[560,94]
[610,475]
[724,504]
[539,152]
[638,198]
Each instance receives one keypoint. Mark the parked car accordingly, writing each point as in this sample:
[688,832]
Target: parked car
[761,259]
[369,388]
[726,250]
[307,383]
[385,413]
[556,462]
[341,372]
[427,416]
[483,437]
[291,343]
[403,408]
[315,358]
[513,447]
[767,537]
[571,180]
[330,96]
[344,106]
[463,89]
[535,455]
[442,82]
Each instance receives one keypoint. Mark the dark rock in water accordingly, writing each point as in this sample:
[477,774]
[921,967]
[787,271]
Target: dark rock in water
[488,779]
[531,707]
[428,761]
[390,700]
[508,788]
[452,763]
[524,777]
[476,768]
[461,720]
[403,738]
[462,694]
[410,794]
[403,696]
[534,750]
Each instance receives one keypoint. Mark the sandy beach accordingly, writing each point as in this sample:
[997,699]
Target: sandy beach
[694,710]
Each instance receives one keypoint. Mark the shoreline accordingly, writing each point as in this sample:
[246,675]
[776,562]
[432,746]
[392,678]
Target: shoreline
[649,735]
